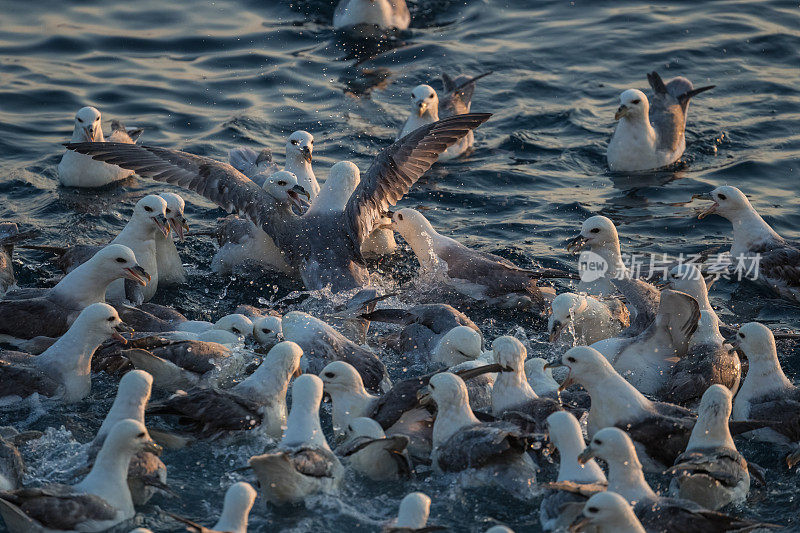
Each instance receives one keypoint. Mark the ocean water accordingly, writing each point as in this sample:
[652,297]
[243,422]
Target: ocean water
[206,76]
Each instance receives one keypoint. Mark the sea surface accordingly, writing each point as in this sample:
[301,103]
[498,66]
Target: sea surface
[205,76]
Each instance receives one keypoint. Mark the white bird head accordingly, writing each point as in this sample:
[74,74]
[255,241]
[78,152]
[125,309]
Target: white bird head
[687,278]
[448,391]
[633,104]
[596,232]
[584,364]
[346,176]
[174,213]
[135,385]
[458,345]
[509,353]
[414,511]
[410,223]
[758,344]
[365,427]
[119,259]
[283,186]
[307,393]
[130,437]
[562,428]
[564,307]
[284,360]
[267,330]
[87,125]
[425,99]
[611,445]
[300,146]
[153,209]
[235,323]
[99,320]
[729,202]
[609,511]
[239,499]
[339,376]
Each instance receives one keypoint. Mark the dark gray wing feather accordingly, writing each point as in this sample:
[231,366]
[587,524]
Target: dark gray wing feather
[395,169]
[59,508]
[314,462]
[644,299]
[481,445]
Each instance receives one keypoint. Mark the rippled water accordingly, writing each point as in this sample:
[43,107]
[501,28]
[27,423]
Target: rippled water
[208,76]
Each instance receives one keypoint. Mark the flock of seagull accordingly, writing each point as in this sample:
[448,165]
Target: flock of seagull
[649,384]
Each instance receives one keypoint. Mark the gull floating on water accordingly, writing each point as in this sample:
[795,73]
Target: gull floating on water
[329,251]
[586,318]
[711,472]
[426,106]
[76,170]
[385,14]
[600,235]
[239,499]
[650,136]
[370,452]
[757,249]
[412,515]
[608,512]
[303,463]
[50,312]
[99,502]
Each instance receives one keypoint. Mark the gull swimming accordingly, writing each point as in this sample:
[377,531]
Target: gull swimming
[50,312]
[757,250]
[711,472]
[64,369]
[600,235]
[588,319]
[303,463]
[608,512]
[459,345]
[646,137]
[169,264]
[479,275]
[76,170]
[385,14]
[258,401]
[412,515]
[329,251]
[99,502]
[426,105]
[370,452]
[239,499]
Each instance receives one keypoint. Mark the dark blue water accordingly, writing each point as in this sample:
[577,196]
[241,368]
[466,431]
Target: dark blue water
[207,76]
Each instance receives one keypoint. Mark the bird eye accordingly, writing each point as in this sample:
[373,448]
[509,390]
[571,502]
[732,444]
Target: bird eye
[265,330]
[636,101]
[598,442]
[140,435]
[330,375]
[312,141]
[294,142]
[722,197]
[595,230]
[80,120]
[399,216]
[235,330]
[282,183]
[148,209]
[120,260]
[571,359]
[110,319]
[431,387]
[593,510]
[98,118]
[169,210]
[741,335]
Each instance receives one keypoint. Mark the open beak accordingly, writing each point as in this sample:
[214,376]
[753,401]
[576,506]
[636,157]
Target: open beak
[621,112]
[735,343]
[306,151]
[162,223]
[180,226]
[567,382]
[708,210]
[137,274]
[424,396]
[294,195]
[577,244]
[585,455]
[558,327]
[152,447]
[116,335]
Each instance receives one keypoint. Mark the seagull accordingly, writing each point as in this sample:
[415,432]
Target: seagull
[370,452]
[661,430]
[459,345]
[99,502]
[711,472]
[268,330]
[76,170]
[323,344]
[50,312]
[258,166]
[540,377]
[412,516]
[170,267]
[242,242]
[495,453]
[647,139]
[709,360]
[385,14]
[458,101]
[478,275]
[608,512]
[329,250]
[559,508]
[424,325]
[229,330]
[303,463]
[625,477]
[239,499]
[64,369]
[586,318]
[766,394]
[647,359]
[757,250]
[146,471]
[257,401]
[600,235]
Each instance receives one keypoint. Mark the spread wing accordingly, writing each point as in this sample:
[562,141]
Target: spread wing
[395,169]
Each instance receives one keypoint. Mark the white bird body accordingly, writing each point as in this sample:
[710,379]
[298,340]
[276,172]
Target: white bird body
[170,266]
[386,14]
[634,145]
